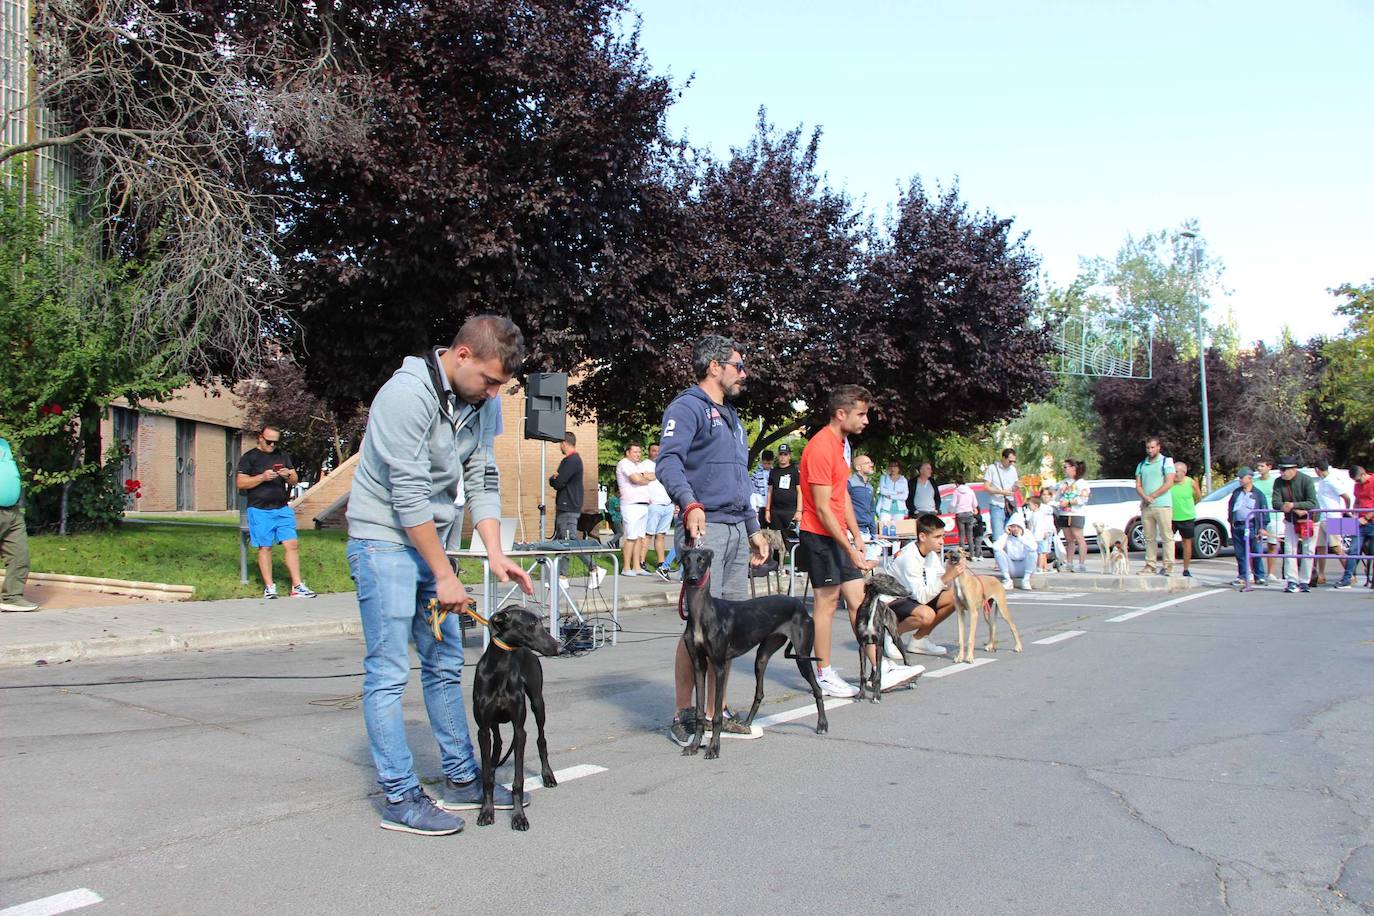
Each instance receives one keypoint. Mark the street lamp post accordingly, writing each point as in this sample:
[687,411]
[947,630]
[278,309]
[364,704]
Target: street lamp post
[1202,369]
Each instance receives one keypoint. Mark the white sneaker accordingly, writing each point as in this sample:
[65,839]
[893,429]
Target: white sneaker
[924,646]
[832,685]
[594,580]
[894,675]
[1006,582]
[1025,582]
[889,650]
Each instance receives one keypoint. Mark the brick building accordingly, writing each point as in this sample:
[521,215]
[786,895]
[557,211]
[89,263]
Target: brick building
[185,452]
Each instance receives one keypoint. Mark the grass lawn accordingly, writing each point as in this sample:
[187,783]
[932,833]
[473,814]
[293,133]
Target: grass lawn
[205,556]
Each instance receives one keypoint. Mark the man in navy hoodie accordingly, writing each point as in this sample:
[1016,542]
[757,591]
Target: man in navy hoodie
[704,464]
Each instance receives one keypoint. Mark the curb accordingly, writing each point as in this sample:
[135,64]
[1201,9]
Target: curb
[116,586]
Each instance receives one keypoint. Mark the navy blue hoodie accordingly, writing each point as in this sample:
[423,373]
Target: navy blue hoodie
[704,458]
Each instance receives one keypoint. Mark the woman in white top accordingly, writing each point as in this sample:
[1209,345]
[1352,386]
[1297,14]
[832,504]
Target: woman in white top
[1069,499]
[892,493]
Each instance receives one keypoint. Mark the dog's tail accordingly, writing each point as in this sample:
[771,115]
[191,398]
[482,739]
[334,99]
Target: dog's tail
[790,652]
[509,751]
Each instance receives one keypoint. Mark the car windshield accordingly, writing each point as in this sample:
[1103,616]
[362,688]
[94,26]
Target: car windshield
[1221,492]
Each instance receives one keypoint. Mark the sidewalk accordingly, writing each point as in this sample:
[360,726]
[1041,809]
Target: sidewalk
[56,635]
[60,634]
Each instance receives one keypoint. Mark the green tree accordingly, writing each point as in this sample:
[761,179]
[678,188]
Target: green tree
[1047,429]
[66,318]
[1348,382]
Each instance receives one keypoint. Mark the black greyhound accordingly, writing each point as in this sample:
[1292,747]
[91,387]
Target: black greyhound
[508,672]
[873,620]
[719,630]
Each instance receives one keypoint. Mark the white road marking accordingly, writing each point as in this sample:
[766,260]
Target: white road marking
[1044,596]
[959,666]
[1110,607]
[57,903]
[567,774]
[800,712]
[1058,637]
[1122,618]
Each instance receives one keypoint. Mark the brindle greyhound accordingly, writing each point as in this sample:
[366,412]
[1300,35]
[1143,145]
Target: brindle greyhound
[719,630]
[975,594]
[871,622]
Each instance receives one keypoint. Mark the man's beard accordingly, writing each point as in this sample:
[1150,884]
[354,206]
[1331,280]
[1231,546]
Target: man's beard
[734,391]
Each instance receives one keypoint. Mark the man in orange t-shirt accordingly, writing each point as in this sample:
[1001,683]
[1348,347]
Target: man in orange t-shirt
[834,563]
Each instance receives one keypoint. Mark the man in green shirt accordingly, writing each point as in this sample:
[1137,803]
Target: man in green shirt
[1264,482]
[14,540]
[1185,494]
[1154,478]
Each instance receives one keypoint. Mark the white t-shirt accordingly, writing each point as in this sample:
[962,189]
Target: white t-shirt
[1332,487]
[1042,522]
[1002,478]
[658,494]
[920,574]
[630,493]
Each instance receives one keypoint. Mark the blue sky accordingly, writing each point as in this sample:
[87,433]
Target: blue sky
[1085,122]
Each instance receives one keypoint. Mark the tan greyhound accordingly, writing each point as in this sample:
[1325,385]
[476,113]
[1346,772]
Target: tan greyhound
[974,595]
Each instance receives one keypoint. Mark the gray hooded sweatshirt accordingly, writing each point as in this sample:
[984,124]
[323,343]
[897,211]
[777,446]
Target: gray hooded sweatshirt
[417,456]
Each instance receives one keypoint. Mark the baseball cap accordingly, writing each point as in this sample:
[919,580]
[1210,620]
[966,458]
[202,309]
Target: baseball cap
[784,449]
[1244,472]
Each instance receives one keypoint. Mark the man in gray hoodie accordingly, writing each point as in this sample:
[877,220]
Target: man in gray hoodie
[428,443]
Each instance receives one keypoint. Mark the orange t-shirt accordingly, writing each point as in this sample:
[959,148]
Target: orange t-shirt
[822,462]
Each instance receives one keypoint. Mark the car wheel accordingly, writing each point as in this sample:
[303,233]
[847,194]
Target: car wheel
[1135,535]
[1206,541]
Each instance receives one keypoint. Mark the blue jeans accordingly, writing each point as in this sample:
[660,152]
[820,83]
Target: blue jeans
[1256,571]
[997,517]
[394,584]
[1364,544]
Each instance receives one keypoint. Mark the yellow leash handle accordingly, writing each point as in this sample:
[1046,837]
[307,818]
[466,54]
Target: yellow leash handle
[435,615]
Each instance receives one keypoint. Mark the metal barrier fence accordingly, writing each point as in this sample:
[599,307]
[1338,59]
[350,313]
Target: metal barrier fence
[1343,523]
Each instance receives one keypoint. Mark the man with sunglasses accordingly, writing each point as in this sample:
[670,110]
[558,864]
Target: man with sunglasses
[266,476]
[704,465]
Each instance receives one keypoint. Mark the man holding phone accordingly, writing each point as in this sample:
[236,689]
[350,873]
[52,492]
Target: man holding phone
[266,475]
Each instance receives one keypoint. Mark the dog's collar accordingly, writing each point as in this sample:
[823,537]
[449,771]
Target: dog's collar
[471,611]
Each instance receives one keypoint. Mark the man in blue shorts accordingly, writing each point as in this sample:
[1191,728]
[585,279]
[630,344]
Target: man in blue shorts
[266,476]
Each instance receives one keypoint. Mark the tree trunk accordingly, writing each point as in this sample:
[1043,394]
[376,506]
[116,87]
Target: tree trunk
[77,454]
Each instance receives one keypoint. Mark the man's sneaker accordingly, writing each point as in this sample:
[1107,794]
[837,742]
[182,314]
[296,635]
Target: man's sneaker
[1188,574]
[1342,585]
[924,646]
[832,685]
[19,605]
[467,796]
[661,572]
[270,591]
[1081,568]
[1304,589]
[1006,582]
[1247,587]
[415,812]
[1238,581]
[1261,582]
[302,591]
[894,675]
[684,726]
[1025,582]
[1147,571]
[731,725]
[1292,588]
[596,577]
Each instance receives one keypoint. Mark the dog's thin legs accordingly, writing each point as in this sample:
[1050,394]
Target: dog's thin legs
[1006,615]
[765,652]
[700,706]
[718,712]
[487,814]
[518,820]
[992,625]
[808,671]
[535,691]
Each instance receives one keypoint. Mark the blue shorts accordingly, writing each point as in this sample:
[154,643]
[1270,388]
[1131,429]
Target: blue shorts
[659,519]
[1046,545]
[271,526]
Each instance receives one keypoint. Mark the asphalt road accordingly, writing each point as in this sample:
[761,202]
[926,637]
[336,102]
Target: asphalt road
[1211,755]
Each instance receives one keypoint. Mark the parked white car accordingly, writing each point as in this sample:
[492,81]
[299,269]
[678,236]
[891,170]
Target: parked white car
[1113,503]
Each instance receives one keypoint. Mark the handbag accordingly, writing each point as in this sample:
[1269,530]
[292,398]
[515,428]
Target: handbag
[1304,528]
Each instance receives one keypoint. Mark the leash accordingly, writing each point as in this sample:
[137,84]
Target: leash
[435,616]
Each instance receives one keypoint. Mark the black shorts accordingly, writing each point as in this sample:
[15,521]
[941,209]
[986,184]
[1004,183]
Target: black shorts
[825,561]
[902,608]
[1069,521]
[1185,529]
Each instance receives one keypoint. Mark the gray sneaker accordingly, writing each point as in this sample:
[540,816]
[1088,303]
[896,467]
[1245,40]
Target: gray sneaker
[19,605]
[302,591]
[270,591]
[467,796]
[415,812]
[684,726]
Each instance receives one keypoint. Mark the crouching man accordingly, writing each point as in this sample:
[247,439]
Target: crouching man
[1015,553]
[921,568]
